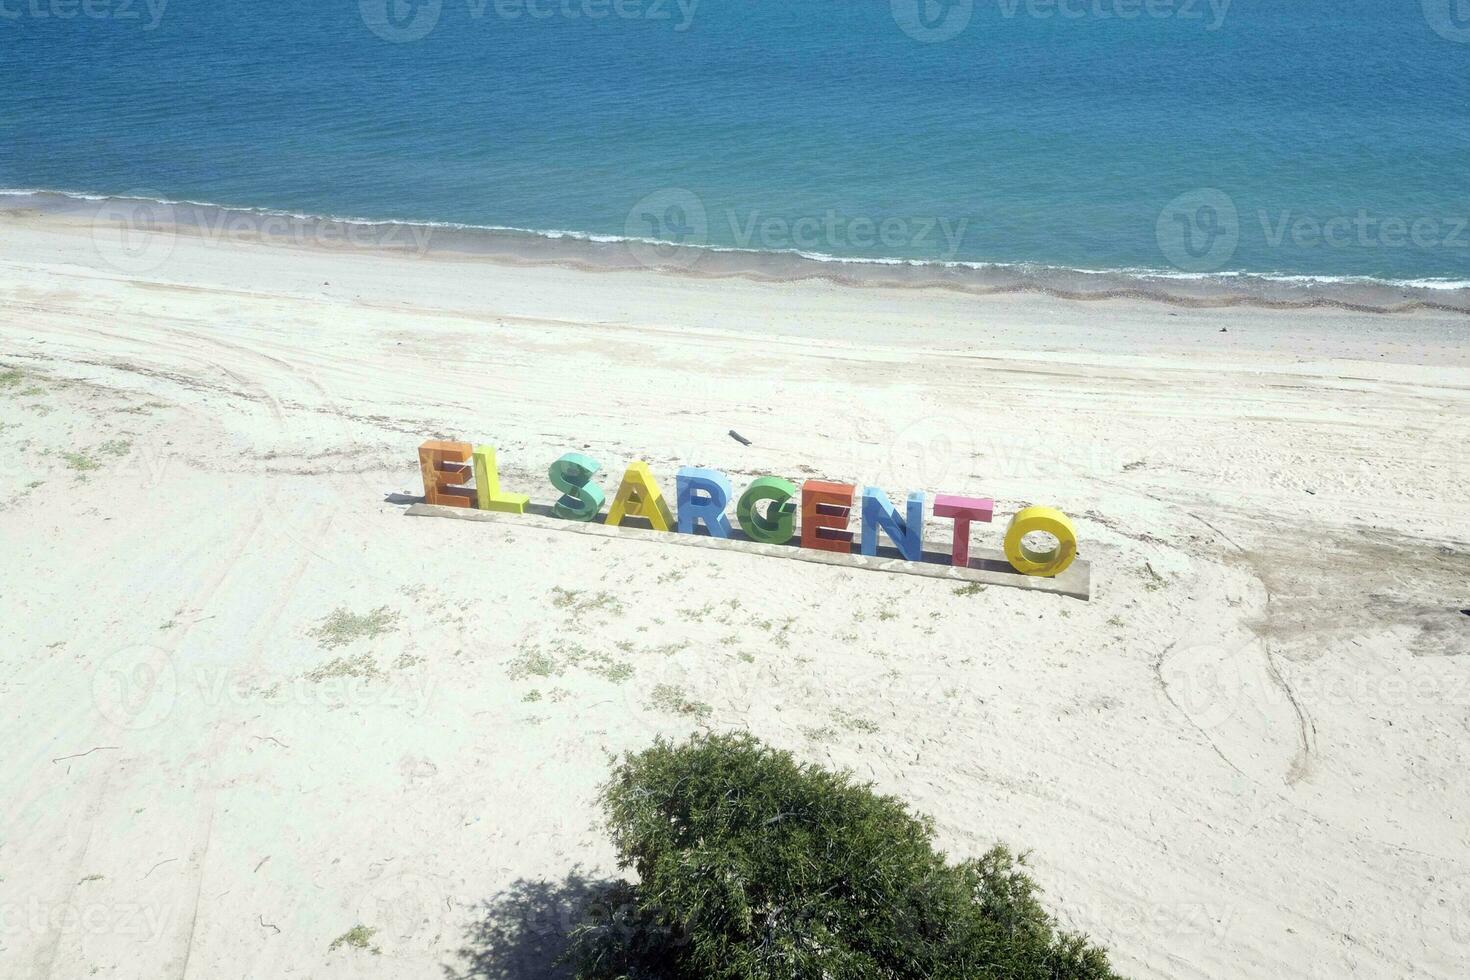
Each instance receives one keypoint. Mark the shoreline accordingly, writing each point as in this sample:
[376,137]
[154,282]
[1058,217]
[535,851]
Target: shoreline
[594,252]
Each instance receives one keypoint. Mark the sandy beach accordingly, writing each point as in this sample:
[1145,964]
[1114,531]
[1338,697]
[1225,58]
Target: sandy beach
[251,706]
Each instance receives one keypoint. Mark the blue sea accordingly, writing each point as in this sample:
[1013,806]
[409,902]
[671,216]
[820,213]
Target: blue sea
[1279,148]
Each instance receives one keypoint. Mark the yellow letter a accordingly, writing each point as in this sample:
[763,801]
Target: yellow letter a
[639,496]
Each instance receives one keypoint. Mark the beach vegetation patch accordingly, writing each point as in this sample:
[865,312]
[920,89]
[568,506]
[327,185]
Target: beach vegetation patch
[361,666]
[819,734]
[671,698]
[577,602]
[751,865]
[358,937]
[81,462]
[533,663]
[597,662]
[342,626]
[854,723]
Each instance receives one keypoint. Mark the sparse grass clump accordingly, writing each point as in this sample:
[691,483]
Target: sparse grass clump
[577,602]
[358,937]
[753,866]
[361,666]
[671,698]
[821,734]
[533,663]
[853,723]
[80,462]
[10,378]
[597,662]
[613,670]
[974,588]
[343,626]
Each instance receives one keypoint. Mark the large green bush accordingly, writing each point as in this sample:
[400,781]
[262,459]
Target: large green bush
[752,866]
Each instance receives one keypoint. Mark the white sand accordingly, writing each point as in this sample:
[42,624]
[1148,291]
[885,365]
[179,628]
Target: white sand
[1245,757]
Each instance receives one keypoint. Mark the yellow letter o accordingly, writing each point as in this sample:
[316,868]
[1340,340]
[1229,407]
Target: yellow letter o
[1048,563]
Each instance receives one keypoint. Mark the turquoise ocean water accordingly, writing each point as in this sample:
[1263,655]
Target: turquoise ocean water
[1322,147]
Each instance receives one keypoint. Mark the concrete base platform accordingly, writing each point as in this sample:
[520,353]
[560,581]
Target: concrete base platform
[987,567]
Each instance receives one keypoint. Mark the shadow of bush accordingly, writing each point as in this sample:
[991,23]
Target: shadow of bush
[521,932]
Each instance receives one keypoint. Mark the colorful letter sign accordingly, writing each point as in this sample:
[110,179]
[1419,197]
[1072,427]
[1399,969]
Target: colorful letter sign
[457,475]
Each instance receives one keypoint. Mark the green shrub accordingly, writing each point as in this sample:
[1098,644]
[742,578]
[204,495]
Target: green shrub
[752,866]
